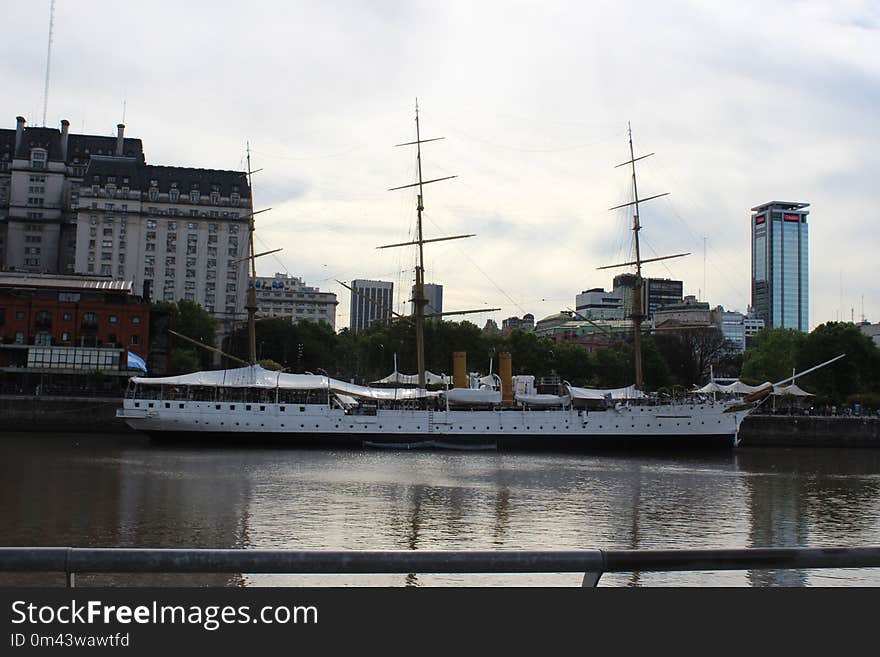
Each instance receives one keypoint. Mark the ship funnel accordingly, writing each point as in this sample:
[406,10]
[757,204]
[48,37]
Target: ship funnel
[505,373]
[459,369]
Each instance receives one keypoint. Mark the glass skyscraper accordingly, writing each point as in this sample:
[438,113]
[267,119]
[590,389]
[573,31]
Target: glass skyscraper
[780,266]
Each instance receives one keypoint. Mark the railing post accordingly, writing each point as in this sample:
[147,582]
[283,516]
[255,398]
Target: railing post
[71,580]
[591,579]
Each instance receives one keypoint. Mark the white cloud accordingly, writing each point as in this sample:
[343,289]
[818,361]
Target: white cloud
[743,103]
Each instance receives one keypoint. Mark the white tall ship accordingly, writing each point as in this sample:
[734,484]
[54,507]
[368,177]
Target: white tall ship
[499,411]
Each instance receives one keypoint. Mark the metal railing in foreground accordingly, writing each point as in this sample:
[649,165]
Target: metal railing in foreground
[593,563]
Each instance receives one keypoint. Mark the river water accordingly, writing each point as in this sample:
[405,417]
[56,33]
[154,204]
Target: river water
[121,490]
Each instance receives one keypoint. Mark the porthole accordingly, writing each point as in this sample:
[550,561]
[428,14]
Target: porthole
[180,406]
[247,407]
[217,407]
[167,405]
[262,408]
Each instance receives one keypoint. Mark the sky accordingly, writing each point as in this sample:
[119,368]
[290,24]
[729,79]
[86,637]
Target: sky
[742,103]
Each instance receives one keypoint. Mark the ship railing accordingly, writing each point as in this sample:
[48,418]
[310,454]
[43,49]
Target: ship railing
[591,563]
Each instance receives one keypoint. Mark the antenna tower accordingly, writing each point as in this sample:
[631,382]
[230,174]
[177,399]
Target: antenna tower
[48,58]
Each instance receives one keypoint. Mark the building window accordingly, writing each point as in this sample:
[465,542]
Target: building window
[19,337]
[194,196]
[153,194]
[136,319]
[135,339]
[38,158]
[43,318]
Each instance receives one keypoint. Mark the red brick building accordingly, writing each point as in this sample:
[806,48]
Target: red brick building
[52,324]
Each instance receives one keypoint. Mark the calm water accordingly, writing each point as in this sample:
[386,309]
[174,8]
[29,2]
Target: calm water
[122,491]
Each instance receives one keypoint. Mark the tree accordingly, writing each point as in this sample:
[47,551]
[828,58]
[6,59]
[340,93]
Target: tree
[859,372]
[773,355]
[690,353]
[300,347]
[190,319]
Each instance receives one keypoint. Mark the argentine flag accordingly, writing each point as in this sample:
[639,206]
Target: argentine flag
[135,362]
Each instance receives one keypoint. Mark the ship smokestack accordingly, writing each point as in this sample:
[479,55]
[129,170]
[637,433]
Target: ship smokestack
[459,369]
[505,373]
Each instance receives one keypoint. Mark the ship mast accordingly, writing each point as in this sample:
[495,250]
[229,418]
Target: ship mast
[419,300]
[251,306]
[638,313]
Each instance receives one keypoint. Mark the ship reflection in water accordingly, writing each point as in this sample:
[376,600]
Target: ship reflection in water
[121,491]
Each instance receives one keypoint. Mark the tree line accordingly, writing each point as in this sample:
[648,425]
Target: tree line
[671,359]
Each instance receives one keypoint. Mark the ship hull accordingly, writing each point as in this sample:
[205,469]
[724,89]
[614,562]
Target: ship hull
[454,443]
[664,427]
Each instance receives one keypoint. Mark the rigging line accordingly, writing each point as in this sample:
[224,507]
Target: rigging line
[274,255]
[528,150]
[697,240]
[725,276]
[311,157]
[480,269]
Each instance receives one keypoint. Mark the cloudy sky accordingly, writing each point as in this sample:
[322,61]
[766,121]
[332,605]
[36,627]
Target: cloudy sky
[742,103]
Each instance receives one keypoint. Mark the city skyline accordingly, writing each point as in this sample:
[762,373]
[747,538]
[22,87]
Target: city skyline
[534,151]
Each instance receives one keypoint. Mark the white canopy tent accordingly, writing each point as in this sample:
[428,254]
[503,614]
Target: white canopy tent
[396,378]
[630,392]
[740,388]
[792,390]
[709,388]
[255,376]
